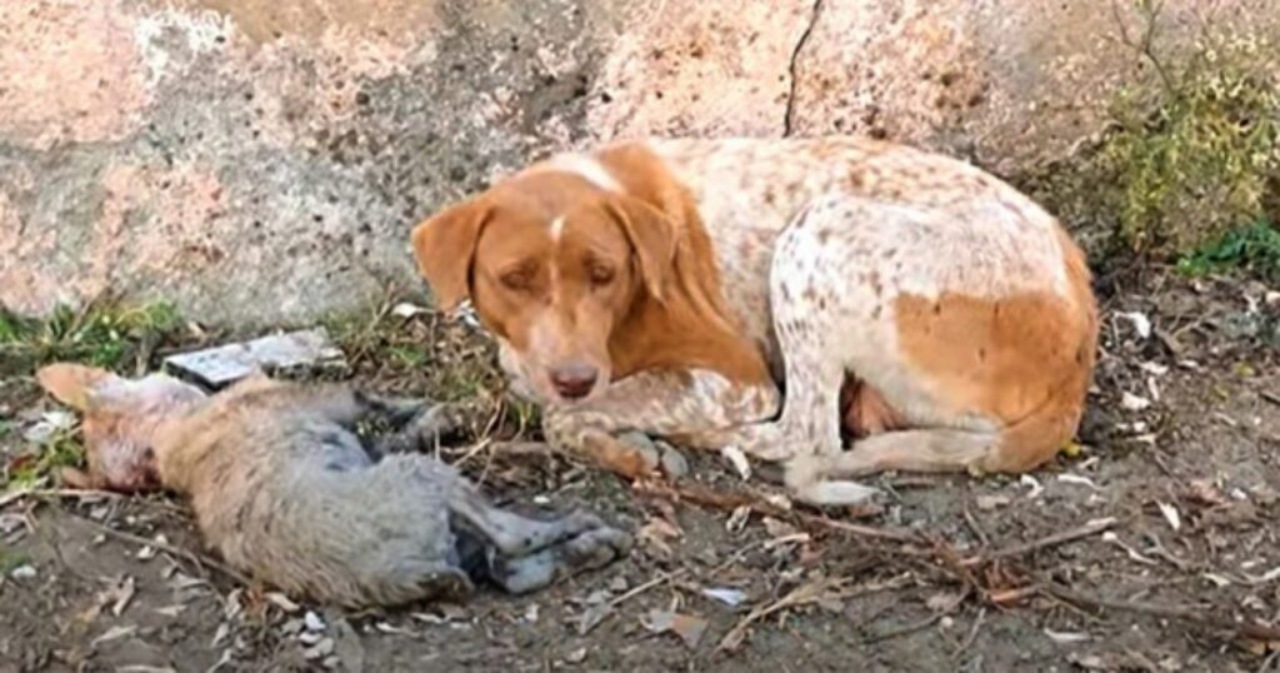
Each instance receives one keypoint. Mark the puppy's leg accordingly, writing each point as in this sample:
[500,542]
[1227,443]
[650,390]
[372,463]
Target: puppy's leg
[689,407]
[590,550]
[421,430]
[510,534]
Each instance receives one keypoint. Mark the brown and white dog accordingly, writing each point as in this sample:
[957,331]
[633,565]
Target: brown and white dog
[678,286]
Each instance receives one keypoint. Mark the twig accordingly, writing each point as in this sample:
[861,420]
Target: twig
[191,556]
[977,529]
[810,592]
[78,493]
[1091,528]
[1270,397]
[676,574]
[731,501]
[973,634]
[1193,615]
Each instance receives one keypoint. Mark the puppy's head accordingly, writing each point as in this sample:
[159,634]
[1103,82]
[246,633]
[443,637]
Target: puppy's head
[120,420]
[553,264]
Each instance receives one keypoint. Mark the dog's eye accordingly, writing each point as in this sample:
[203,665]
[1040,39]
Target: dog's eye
[600,275]
[515,280]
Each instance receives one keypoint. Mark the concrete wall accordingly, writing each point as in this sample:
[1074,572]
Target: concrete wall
[264,160]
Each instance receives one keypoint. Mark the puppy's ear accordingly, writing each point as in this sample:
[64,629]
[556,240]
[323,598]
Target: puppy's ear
[74,385]
[444,246]
[653,237]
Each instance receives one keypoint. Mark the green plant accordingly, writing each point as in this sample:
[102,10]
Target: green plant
[104,334]
[1196,152]
[1254,248]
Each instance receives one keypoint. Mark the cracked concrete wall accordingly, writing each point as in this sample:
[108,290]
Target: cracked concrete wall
[263,161]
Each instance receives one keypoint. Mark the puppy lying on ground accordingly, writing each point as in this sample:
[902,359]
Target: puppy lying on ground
[284,490]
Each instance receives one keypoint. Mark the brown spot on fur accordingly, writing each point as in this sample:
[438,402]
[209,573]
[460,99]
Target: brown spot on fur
[1009,359]
[824,235]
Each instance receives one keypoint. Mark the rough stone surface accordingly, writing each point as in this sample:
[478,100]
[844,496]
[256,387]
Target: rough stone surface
[263,161]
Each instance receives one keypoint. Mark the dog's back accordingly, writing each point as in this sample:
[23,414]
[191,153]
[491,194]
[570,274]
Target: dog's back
[282,486]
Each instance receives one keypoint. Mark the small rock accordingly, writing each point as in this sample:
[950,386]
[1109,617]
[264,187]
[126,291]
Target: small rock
[576,657]
[23,572]
[674,464]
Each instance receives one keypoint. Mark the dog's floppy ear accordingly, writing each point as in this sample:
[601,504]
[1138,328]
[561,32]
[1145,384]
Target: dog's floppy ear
[74,385]
[444,246]
[652,235]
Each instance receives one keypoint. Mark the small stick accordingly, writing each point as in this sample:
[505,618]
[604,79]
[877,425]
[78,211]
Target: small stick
[801,595]
[973,634]
[191,556]
[78,493]
[1091,528]
[1192,615]
[730,501]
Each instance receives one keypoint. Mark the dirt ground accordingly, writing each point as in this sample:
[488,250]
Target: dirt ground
[1178,448]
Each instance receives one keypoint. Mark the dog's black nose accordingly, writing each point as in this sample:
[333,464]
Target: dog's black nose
[574,381]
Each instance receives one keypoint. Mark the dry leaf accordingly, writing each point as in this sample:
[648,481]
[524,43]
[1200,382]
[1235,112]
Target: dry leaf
[1171,515]
[688,627]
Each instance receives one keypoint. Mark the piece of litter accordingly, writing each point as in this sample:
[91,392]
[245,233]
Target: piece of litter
[1141,323]
[312,621]
[51,423]
[23,572]
[222,365]
[738,460]
[1066,637]
[688,627]
[731,597]
[1033,484]
[531,613]
[1171,515]
[1131,402]
[406,310]
[1077,479]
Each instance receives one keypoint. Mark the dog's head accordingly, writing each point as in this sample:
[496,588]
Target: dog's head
[120,420]
[553,264]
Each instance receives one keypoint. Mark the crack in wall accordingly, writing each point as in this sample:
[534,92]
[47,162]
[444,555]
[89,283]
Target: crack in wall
[788,121]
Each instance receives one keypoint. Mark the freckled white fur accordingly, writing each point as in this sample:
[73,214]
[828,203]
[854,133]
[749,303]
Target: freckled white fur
[815,239]
[791,225]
